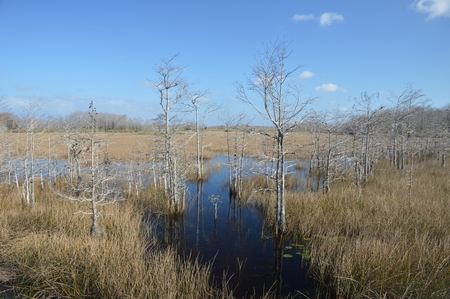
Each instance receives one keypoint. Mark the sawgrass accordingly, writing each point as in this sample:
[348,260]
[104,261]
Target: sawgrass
[121,145]
[46,252]
[390,241]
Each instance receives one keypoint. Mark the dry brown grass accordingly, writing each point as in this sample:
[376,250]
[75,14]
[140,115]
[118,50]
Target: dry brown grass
[383,243]
[122,145]
[49,254]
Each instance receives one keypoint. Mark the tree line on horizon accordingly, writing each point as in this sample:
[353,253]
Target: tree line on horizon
[428,119]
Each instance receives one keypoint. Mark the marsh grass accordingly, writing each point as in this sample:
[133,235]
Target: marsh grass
[49,253]
[121,144]
[383,243]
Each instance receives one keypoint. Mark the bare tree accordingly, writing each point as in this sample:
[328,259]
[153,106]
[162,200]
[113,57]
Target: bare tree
[97,187]
[282,106]
[77,143]
[331,151]
[237,131]
[365,127]
[30,124]
[196,102]
[172,88]
[404,107]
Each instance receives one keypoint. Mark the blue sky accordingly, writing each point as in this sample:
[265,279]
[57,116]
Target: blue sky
[66,53]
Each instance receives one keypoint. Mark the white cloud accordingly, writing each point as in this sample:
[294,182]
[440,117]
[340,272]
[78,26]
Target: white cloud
[325,19]
[328,18]
[434,8]
[304,75]
[329,88]
[297,18]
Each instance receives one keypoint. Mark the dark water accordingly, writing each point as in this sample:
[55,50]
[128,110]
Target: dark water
[237,242]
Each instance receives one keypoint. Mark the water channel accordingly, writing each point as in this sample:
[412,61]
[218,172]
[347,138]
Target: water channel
[237,243]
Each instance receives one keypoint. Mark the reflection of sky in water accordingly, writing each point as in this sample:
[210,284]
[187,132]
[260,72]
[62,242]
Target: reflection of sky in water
[41,166]
[237,235]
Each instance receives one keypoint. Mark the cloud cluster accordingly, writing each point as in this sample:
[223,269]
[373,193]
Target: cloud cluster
[434,8]
[325,19]
[329,88]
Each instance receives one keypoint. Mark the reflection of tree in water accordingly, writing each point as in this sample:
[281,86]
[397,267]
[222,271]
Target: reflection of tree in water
[174,230]
[278,254]
[234,239]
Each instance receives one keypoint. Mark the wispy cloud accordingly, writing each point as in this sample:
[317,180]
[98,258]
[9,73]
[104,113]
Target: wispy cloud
[146,84]
[329,88]
[304,75]
[329,17]
[325,19]
[434,8]
[1,73]
[23,87]
[297,18]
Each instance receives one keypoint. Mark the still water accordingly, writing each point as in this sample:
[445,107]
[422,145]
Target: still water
[238,243]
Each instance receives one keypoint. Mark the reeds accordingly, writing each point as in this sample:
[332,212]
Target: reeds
[49,253]
[384,243]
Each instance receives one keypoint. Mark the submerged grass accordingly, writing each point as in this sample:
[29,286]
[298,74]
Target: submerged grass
[48,253]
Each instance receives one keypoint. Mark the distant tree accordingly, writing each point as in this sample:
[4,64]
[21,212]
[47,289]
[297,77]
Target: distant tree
[195,103]
[282,106]
[30,123]
[405,105]
[332,148]
[365,126]
[236,134]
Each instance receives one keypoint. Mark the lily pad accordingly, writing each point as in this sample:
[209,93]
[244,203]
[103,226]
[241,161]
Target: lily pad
[298,252]
[288,247]
[287,255]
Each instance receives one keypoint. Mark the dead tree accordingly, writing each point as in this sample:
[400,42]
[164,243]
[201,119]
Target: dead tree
[197,101]
[30,124]
[97,186]
[365,128]
[281,105]
[237,132]
[172,88]
[404,107]
[332,149]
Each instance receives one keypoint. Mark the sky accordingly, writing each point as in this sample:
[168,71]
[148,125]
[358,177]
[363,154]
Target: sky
[66,53]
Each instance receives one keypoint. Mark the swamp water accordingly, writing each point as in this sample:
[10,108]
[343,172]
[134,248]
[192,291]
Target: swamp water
[237,243]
